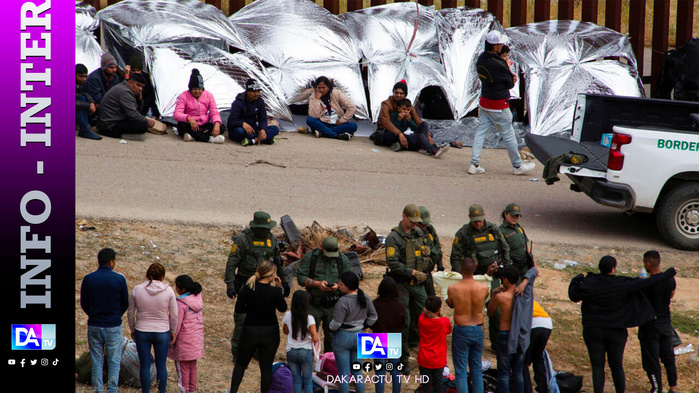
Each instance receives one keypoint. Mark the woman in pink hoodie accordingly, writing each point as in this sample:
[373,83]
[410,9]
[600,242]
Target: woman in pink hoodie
[196,113]
[152,316]
[189,336]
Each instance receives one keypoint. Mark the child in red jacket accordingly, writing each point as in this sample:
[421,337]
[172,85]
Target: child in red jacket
[188,345]
[432,352]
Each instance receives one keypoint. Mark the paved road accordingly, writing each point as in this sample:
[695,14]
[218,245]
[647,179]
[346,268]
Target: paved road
[335,183]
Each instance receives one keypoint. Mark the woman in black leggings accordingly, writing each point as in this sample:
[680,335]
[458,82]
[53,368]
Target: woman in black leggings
[259,298]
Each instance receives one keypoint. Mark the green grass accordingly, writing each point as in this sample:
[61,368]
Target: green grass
[686,322]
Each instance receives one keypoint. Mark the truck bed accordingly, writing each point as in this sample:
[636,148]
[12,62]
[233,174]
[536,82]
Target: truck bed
[545,147]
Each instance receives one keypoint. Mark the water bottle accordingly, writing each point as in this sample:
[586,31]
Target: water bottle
[644,273]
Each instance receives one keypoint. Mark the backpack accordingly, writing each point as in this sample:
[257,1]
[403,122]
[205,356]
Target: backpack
[353,258]
[568,382]
[282,379]
[129,366]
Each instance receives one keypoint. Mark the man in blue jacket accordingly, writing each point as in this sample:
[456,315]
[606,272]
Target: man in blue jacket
[102,79]
[105,298]
[247,122]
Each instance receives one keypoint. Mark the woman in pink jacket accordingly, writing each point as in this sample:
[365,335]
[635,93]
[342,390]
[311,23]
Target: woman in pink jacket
[196,113]
[189,336]
[152,316]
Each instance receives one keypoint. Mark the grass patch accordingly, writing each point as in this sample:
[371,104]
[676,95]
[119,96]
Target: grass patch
[686,322]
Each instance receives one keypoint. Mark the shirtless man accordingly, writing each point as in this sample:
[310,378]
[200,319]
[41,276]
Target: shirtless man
[467,298]
[509,365]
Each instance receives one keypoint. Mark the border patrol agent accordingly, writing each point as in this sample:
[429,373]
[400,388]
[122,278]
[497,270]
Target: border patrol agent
[516,237]
[254,245]
[483,242]
[319,271]
[407,256]
[435,248]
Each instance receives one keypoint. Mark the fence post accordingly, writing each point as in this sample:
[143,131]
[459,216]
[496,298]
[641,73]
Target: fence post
[542,10]
[685,11]
[518,13]
[637,32]
[661,33]
[235,5]
[566,9]
[589,10]
[332,6]
[448,4]
[496,8]
[612,17]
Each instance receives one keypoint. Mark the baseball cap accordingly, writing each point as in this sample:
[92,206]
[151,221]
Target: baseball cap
[412,212]
[513,209]
[476,213]
[425,215]
[495,37]
[330,247]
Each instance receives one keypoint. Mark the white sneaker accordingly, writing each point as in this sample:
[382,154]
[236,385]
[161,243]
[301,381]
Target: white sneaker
[316,133]
[188,137]
[524,168]
[218,139]
[476,170]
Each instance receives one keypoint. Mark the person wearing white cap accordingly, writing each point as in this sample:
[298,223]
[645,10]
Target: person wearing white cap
[494,105]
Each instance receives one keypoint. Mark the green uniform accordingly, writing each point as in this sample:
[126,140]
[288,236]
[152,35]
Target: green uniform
[247,252]
[406,252]
[485,246]
[517,240]
[432,241]
[322,305]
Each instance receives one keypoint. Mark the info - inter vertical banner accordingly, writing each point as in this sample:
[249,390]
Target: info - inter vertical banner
[37,202]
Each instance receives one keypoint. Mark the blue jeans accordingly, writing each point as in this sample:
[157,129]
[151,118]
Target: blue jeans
[160,341]
[345,350]
[105,342]
[82,117]
[301,366]
[395,375]
[509,366]
[331,130]
[467,349]
[502,121]
[237,134]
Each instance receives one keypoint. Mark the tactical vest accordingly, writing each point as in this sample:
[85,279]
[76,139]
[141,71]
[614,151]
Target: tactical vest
[484,247]
[260,250]
[516,239]
[314,261]
[414,249]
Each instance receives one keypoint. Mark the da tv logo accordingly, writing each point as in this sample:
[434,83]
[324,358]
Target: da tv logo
[33,337]
[379,345]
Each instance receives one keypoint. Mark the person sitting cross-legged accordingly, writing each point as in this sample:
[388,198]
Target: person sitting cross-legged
[330,111]
[247,122]
[196,113]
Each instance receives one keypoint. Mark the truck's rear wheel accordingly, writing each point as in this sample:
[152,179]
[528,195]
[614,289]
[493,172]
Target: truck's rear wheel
[678,216]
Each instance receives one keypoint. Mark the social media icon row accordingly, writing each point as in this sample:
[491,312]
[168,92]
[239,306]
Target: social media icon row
[377,366]
[32,362]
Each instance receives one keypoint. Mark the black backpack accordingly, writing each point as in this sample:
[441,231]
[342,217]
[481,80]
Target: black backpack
[569,382]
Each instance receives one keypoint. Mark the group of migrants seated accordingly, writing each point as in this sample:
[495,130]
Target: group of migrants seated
[122,105]
[116,101]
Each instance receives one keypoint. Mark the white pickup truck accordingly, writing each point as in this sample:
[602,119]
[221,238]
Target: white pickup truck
[650,166]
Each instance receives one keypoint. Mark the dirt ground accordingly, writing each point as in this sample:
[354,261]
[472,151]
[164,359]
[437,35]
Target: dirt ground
[201,252]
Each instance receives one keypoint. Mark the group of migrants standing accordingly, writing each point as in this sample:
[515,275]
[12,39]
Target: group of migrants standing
[171,322]
[121,104]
